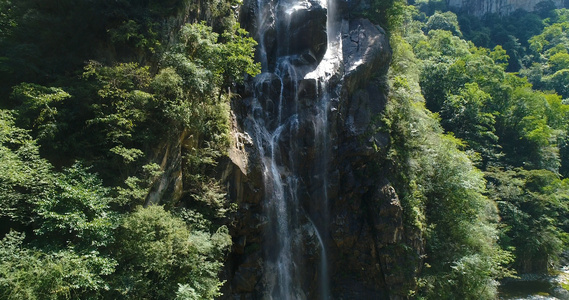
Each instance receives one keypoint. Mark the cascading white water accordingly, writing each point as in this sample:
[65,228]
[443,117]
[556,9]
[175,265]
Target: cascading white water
[328,67]
[279,121]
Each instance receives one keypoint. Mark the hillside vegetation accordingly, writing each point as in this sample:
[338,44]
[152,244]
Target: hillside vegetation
[478,152]
[92,92]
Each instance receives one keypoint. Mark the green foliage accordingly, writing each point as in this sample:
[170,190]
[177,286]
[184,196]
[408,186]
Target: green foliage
[137,187]
[34,54]
[38,107]
[505,109]
[77,246]
[471,273]
[515,133]
[125,119]
[37,98]
[442,193]
[148,81]
[77,210]
[430,7]
[7,21]
[442,43]
[550,63]
[389,14]
[443,21]
[79,31]
[64,206]
[512,32]
[69,207]
[67,215]
[64,274]
[131,33]
[122,103]
[207,63]
[559,61]
[530,203]
[155,246]
[21,173]
[464,113]
[548,40]
[238,55]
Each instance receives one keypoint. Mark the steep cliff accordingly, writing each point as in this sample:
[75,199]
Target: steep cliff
[317,218]
[502,7]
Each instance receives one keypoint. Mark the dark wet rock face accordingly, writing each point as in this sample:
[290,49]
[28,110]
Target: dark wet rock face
[303,31]
[317,217]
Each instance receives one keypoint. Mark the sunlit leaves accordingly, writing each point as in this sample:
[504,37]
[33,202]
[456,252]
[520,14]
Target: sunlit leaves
[550,54]
[559,61]
[464,114]
[38,107]
[77,210]
[238,55]
[207,63]
[23,179]
[155,246]
[553,35]
[123,103]
[440,189]
[67,212]
[65,274]
[444,21]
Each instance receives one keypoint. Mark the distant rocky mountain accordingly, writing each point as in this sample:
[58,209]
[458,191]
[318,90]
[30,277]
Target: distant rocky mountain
[503,7]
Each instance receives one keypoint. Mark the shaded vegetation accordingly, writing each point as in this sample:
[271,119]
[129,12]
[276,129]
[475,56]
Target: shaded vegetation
[85,108]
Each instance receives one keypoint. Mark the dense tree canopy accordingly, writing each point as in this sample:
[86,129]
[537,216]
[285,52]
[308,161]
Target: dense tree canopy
[482,171]
[83,106]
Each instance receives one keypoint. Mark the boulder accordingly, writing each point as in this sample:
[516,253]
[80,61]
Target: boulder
[366,52]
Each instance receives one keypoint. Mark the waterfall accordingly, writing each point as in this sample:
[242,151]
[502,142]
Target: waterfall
[288,119]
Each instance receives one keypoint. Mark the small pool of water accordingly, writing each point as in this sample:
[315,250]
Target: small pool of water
[536,287]
[527,289]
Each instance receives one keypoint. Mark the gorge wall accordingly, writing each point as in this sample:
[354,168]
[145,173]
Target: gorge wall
[502,7]
[317,217]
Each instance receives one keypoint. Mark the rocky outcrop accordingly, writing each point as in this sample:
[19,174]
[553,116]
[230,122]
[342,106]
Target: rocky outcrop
[366,227]
[167,187]
[502,7]
[306,32]
[365,53]
[346,211]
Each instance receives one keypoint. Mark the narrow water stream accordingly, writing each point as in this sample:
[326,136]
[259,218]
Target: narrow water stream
[288,120]
[526,290]
[536,287]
